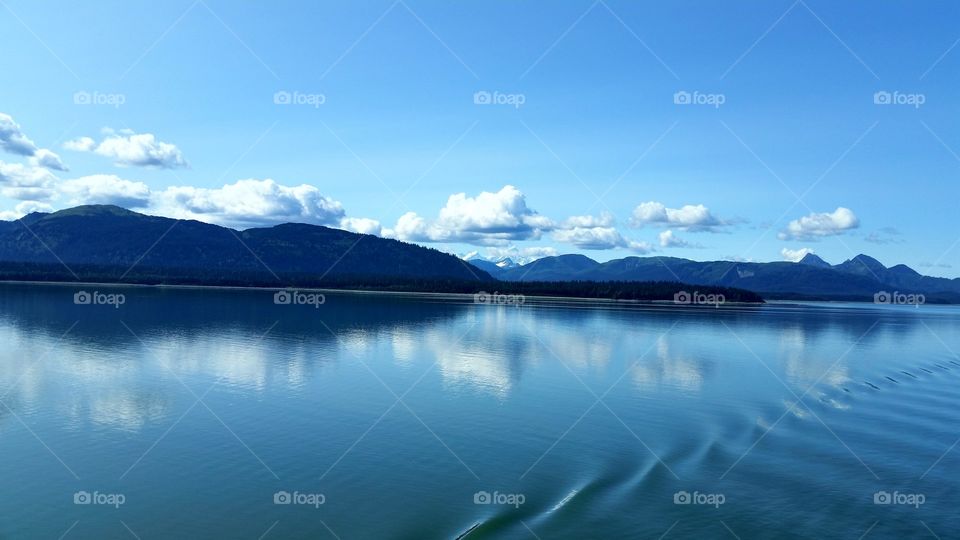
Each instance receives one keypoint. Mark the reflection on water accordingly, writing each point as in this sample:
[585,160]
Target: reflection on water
[401,408]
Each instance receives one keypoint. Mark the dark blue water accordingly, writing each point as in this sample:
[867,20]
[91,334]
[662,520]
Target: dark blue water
[218,414]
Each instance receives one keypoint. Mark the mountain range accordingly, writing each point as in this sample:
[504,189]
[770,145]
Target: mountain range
[112,244]
[118,241]
[858,278]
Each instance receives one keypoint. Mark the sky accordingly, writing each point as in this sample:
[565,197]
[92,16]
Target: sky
[757,130]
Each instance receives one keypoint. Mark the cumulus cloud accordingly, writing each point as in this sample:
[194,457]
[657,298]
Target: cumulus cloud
[361,225]
[106,189]
[670,240]
[81,144]
[129,149]
[596,233]
[795,255]
[26,182]
[24,208]
[488,219]
[598,238]
[12,138]
[46,158]
[819,225]
[689,217]
[249,202]
[245,203]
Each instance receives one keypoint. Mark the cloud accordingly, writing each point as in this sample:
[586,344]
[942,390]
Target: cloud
[361,225]
[886,235]
[595,233]
[81,144]
[670,240]
[694,218]
[599,238]
[128,149]
[24,208]
[819,225]
[249,202]
[245,203]
[795,255]
[46,158]
[488,219]
[12,139]
[26,182]
[106,189]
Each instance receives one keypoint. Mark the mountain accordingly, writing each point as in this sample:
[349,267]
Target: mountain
[489,267]
[864,266]
[494,267]
[110,237]
[551,269]
[814,260]
[856,279]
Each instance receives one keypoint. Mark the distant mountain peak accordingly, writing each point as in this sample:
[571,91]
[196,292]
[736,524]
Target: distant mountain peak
[94,210]
[814,260]
[867,261]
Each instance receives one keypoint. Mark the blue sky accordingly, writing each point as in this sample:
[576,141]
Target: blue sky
[585,147]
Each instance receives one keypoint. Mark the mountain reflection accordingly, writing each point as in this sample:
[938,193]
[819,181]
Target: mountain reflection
[123,368]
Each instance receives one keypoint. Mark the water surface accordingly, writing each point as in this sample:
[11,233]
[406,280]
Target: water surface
[420,417]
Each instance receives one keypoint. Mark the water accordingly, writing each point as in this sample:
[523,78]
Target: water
[184,412]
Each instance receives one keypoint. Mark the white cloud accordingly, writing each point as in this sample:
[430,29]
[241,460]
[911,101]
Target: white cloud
[361,225]
[670,240]
[249,203]
[46,158]
[81,144]
[605,219]
[245,203]
[689,217]
[106,189]
[26,182]
[795,255]
[596,233]
[12,138]
[24,208]
[818,225]
[128,149]
[597,238]
[487,219]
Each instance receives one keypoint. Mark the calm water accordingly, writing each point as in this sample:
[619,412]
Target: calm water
[185,413]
